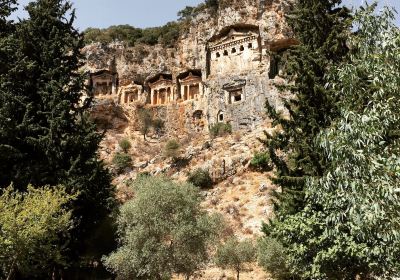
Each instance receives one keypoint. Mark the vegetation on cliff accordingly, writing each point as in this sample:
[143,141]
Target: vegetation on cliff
[167,35]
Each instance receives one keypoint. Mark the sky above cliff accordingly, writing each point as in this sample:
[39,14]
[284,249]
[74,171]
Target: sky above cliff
[148,13]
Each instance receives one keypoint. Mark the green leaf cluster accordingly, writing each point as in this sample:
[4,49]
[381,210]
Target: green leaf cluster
[220,129]
[200,178]
[121,162]
[166,35]
[32,226]
[172,149]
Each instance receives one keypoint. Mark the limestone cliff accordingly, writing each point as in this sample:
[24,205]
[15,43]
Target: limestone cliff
[228,50]
[220,71]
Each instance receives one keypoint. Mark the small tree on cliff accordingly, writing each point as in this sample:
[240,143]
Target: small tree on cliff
[234,254]
[145,121]
[46,137]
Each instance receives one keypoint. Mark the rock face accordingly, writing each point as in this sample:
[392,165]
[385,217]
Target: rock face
[220,70]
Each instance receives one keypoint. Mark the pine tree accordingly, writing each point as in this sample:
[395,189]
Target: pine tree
[46,137]
[348,228]
[321,27]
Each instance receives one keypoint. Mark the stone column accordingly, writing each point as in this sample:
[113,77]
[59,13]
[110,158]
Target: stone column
[182,91]
[201,89]
[151,97]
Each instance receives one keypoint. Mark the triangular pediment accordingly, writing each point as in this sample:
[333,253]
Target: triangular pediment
[191,78]
[234,35]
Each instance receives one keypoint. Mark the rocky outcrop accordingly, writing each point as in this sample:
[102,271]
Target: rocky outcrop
[229,49]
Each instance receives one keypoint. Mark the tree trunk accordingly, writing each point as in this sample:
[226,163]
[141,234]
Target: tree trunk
[237,274]
[12,271]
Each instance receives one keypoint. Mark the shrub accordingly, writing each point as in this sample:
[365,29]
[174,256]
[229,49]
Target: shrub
[171,149]
[158,126]
[121,161]
[220,129]
[200,178]
[272,258]
[125,145]
[261,161]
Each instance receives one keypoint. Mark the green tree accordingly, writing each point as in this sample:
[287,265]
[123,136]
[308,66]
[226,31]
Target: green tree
[186,13]
[172,149]
[321,27]
[272,257]
[158,126]
[220,129]
[121,161]
[125,144]
[162,231]
[46,137]
[145,121]
[200,178]
[349,227]
[261,161]
[32,224]
[234,254]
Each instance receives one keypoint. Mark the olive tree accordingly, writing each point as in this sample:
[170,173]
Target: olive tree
[162,231]
[234,254]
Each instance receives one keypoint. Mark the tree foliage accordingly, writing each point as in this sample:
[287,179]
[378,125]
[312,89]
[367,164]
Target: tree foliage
[145,121]
[46,137]
[166,35]
[220,129]
[125,144]
[321,27]
[234,254]
[32,226]
[162,231]
[121,162]
[200,178]
[172,149]
[272,257]
[349,226]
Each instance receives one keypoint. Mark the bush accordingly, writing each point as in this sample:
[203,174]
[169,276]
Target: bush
[200,178]
[220,129]
[272,258]
[261,161]
[122,161]
[158,126]
[125,145]
[171,149]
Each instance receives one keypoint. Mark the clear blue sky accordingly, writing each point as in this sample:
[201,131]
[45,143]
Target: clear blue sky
[146,13]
